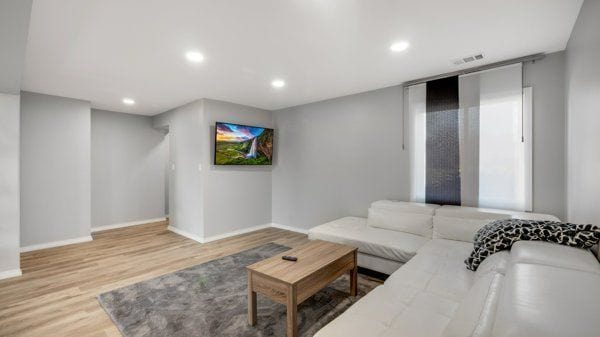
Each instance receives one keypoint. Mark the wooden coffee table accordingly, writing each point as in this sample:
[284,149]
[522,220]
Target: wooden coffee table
[290,283]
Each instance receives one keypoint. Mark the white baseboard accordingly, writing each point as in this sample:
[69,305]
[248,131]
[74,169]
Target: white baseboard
[236,232]
[56,244]
[186,234]
[127,224]
[10,273]
[290,228]
[200,239]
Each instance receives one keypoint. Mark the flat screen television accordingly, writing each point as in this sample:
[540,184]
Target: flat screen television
[237,144]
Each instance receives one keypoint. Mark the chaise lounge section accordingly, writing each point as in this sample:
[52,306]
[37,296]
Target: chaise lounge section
[433,294]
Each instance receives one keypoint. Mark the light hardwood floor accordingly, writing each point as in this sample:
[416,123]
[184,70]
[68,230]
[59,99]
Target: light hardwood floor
[56,296]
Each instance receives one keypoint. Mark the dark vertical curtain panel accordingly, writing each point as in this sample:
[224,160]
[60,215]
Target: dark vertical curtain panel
[442,142]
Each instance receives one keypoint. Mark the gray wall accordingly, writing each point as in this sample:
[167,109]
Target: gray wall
[14,25]
[128,168]
[207,200]
[186,144]
[55,169]
[235,197]
[333,158]
[546,76]
[9,184]
[583,116]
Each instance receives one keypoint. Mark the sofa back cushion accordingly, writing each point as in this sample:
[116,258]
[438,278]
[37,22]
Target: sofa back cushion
[405,206]
[472,213]
[459,229]
[401,221]
[555,255]
[490,213]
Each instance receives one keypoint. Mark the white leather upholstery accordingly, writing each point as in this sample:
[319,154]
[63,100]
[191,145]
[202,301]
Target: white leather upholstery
[475,315]
[438,269]
[418,300]
[489,213]
[401,221]
[496,263]
[536,289]
[551,254]
[472,213]
[443,247]
[545,301]
[391,245]
[460,229]
[409,207]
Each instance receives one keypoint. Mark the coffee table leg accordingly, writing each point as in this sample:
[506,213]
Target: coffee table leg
[292,307]
[354,277]
[251,302]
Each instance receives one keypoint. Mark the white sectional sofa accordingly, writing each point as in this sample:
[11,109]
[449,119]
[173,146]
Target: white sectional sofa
[535,289]
[395,230]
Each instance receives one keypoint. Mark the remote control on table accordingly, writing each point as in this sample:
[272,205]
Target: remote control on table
[289,258]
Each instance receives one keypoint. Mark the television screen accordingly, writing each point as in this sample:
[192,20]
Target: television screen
[237,144]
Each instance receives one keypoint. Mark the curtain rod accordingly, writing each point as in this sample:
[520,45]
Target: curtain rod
[528,58]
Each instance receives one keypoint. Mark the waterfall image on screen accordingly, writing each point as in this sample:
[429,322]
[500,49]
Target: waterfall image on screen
[237,144]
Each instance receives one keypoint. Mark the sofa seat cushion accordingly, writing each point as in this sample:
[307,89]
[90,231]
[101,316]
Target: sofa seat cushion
[437,269]
[392,245]
[444,247]
[419,299]
[545,301]
[385,311]
[552,254]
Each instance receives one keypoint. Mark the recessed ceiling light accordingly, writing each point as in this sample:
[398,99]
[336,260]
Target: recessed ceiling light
[128,101]
[278,83]
[399,46]
[194,56]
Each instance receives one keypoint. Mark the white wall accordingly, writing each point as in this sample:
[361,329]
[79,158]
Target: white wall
[333,158]
[55,169]
[128,168]
[583,116]
[9,185]
[235,197]
[186,143]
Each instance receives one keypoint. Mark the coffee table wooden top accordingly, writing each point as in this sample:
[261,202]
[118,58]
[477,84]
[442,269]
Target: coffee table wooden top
[312,257]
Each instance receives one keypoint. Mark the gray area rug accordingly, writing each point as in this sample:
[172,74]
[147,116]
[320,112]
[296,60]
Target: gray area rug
[210,299]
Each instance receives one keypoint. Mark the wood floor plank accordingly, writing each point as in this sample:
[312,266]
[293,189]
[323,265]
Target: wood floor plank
[56,296]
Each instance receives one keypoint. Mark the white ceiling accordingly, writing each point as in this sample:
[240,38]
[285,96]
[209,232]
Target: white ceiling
[104,50]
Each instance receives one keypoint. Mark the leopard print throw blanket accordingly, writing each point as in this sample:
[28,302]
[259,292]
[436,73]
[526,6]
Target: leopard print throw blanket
[501,234]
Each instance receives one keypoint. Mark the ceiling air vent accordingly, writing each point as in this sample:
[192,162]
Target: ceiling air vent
[467,59]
